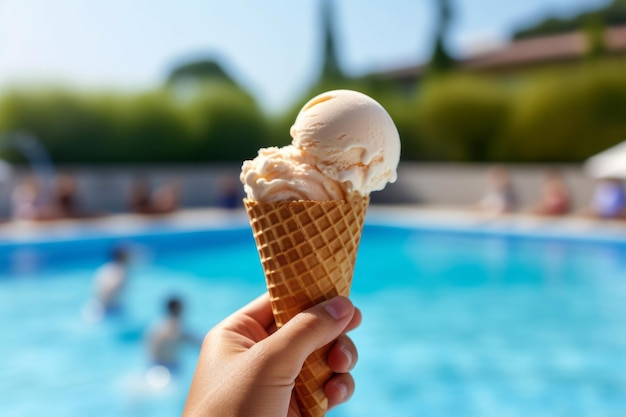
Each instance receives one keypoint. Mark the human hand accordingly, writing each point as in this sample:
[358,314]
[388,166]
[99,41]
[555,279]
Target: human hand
[248,368]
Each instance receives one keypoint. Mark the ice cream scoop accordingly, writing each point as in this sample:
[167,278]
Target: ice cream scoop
[344,144]
[284,174]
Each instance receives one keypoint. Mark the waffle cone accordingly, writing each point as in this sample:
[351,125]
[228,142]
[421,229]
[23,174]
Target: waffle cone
[308,251]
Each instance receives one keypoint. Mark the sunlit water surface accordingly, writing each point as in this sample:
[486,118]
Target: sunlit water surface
[454,324]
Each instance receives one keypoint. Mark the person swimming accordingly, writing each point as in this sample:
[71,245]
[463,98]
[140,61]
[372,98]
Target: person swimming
[167,337]
[110,280]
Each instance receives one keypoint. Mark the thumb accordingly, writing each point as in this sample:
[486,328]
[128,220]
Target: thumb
[309,331]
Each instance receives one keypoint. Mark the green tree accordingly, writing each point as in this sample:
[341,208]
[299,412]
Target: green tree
[566,115]
[331,70]
[201,70]
[595,32]
[66,123]
[460,117]
[219,123]
[224,124]
[613,13]
[441,61]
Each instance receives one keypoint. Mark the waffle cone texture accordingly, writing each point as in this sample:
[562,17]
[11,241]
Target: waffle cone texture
[308,251]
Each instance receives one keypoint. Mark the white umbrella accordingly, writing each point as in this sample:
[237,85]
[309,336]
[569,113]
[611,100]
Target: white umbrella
[610,163]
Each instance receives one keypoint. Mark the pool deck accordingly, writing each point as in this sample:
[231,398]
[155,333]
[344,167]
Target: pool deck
[455,219]
[422,217]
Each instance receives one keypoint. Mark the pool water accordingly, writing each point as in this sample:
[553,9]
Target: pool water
[455,324]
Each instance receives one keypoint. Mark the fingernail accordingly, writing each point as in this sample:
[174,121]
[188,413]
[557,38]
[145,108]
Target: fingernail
[347,354]
[338,307]
[343,389]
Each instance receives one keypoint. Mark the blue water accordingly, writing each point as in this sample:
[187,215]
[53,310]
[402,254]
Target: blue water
[454,324]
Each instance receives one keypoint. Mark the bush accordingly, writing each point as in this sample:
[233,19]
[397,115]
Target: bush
[224,125]
[566,115]
[563,114]
[219,123]
[66,123]
[460,117]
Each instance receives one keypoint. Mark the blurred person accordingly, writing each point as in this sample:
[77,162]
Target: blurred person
[248,368]
[27,202]
[64,195]
[555,197]
[228,189]
[139,199]
[500,196]
[164,200]
[65,199]
[110,280]
[608,200]
[167,337]
[24,200]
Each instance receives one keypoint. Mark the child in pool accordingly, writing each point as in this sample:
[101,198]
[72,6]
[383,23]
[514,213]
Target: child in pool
[165,340]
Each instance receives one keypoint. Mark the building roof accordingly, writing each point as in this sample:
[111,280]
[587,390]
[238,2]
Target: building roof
[546,49]
[526,52]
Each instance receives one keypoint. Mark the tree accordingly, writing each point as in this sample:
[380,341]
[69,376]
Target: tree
[595,33]
[199,71]
[330,66]
[441,60]
[612,14]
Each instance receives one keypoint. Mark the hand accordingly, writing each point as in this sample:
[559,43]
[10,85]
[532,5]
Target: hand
[248,368]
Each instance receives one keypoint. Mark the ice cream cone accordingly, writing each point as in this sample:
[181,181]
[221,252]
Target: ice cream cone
[308,252]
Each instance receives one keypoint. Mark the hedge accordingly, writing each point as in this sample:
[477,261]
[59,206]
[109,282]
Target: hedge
[214,124]
[563,114]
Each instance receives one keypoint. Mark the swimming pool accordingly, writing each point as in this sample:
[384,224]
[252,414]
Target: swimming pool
[456,323]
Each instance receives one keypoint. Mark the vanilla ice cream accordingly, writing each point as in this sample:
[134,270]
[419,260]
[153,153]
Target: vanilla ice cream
[344,145]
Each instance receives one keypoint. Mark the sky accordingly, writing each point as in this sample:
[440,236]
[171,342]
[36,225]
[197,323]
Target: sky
[272,47]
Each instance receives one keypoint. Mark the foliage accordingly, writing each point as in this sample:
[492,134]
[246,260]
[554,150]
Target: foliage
[612,14]
[567,115]
[461,116]
[331,70]
[441,61]
[225,125]
[66,120]
[216,123]
[561,114]
[199,71]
